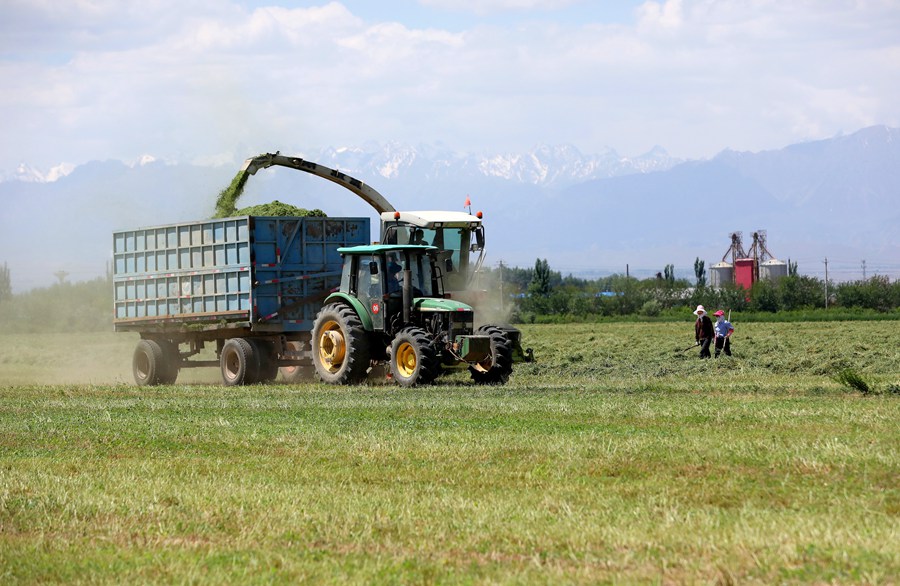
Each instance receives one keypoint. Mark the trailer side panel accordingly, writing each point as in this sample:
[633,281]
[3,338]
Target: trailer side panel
[265,274]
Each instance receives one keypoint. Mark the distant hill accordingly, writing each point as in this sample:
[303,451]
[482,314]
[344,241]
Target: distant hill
[586,214]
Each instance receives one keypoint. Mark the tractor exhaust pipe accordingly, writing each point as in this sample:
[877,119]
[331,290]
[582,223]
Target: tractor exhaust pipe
[407,293]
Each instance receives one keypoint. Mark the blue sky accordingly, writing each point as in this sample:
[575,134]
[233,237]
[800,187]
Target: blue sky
[211,81]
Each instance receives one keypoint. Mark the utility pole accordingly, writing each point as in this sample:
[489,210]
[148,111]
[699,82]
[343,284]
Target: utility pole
[864,269]
[626,271]
[826,282]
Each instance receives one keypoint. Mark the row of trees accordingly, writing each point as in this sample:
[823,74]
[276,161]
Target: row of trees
[543,292]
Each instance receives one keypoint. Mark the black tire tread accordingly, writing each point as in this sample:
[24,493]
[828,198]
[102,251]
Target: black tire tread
[356,362]
[429,366]
[501,353]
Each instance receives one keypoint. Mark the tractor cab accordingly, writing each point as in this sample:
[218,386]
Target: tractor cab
[393,284]
[458,233]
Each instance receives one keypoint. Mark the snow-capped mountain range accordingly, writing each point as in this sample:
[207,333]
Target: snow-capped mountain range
[545,166]
[28,174]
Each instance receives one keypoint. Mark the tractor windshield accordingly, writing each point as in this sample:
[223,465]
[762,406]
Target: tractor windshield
[420,273]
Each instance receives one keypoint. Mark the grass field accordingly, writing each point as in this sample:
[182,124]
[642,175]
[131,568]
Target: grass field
[613,458]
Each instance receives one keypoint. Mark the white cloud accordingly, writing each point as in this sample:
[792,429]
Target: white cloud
[482,7]
[666,15]
[204,80]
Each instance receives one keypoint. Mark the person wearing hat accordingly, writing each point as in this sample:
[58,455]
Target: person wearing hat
[724,329]
[703,331]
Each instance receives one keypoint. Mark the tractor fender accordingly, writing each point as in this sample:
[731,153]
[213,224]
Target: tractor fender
[357,306]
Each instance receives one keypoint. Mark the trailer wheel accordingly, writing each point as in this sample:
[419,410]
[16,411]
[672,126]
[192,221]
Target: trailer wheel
[413,358]
[239,363]
[148,364]
[171,362]
[341,351]
[495,369]
[266,361]
[297,373]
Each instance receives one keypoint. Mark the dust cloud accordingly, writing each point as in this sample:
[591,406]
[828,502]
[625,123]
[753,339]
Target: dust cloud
[490,299]
[100,358]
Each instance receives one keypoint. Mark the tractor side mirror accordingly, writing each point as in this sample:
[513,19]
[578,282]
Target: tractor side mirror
[448,265]
[373,267]
[479,237]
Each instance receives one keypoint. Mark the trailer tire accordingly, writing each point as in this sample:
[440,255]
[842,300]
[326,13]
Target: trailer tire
[148,364]
[297,373]
[497,369]
[266,361]
[239,363]
[171,362]
[341,351]
[414,359]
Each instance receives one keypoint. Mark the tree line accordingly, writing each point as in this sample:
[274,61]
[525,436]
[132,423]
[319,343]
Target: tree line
[541,293]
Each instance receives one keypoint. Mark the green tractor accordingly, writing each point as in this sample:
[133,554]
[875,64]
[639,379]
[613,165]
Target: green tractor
[391,308]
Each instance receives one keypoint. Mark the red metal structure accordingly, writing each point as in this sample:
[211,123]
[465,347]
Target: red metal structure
[745,272]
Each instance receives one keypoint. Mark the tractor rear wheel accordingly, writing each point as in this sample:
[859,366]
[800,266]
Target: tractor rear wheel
[496,368]
[239,363]
[413,358]
[341,350]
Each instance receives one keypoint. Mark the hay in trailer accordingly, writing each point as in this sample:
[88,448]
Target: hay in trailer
[277,208]
[226,203]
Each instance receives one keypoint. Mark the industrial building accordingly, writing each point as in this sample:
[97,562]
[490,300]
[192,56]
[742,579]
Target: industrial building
[743,268]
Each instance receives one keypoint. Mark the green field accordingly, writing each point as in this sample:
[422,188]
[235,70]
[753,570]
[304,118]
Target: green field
[613,458]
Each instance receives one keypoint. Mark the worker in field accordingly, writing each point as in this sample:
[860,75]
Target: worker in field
[703,331]
[723,329]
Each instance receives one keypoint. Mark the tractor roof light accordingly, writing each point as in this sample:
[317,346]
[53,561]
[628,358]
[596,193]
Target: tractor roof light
[478,214]
[396,215]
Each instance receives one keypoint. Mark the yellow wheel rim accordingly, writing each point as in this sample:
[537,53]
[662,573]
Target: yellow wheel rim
[332,346]
[406,359]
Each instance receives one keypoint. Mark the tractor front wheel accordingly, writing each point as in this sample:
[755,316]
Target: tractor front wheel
[413,358]
[341,350]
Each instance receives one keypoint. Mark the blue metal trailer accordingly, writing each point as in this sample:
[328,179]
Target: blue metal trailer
[251,284]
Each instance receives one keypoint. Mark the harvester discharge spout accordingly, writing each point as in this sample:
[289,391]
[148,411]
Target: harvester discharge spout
[367,193]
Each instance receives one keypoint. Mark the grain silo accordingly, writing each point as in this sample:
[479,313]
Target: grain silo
[769,267]
[772,269]
[721,274]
